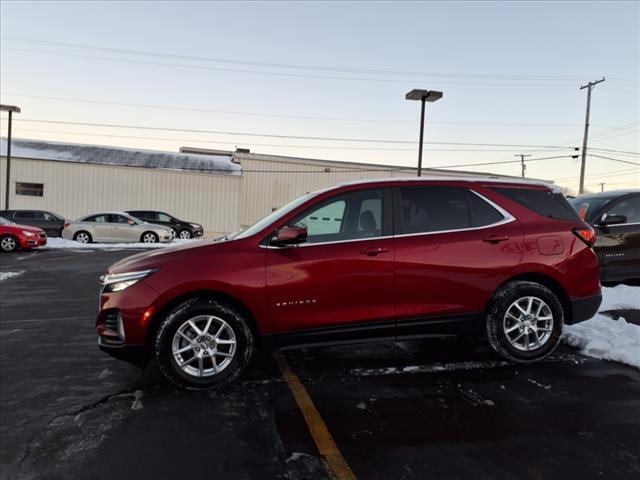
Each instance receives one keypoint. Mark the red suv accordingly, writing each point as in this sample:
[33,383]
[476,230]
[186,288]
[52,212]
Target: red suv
[379,259]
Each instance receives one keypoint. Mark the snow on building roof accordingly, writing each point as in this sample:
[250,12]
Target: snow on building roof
[127,157]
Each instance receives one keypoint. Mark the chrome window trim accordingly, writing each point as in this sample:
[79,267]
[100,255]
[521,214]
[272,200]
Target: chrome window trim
[616,224]
[507,218]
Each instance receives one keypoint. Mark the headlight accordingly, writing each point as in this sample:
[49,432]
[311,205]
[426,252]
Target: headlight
[120,281]
[195,225]
[28,234]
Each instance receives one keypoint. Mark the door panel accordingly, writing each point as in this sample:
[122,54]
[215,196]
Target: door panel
[343,274]
[618,246]
[329,285]
[448,263]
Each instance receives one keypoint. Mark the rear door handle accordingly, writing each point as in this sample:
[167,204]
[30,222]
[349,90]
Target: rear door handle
[495,238]
[373,251]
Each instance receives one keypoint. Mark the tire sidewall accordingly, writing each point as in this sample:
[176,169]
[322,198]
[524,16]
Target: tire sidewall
[503,300]
[176,318]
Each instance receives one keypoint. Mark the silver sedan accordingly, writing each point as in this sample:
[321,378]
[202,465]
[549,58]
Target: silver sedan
[115,227]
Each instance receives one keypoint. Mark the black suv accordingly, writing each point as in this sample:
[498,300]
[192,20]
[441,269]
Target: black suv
[51,223]
[181,229]
[616,218]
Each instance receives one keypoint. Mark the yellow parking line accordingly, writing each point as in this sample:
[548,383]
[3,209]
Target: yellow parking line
[338,466]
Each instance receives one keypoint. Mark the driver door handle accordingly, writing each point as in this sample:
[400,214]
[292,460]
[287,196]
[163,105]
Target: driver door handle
[373,251]
[495,238]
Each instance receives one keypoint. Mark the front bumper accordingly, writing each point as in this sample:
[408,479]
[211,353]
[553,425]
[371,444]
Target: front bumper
[198,232]
[33,242]
[135,354]
[584,308]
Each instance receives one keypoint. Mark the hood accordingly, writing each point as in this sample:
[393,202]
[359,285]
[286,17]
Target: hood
[156,257]
[27,228]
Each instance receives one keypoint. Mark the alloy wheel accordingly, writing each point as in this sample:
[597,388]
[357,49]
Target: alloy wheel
[203,346]
[528,323]
[82,238]
[185,234]
[8,244]
[149,238]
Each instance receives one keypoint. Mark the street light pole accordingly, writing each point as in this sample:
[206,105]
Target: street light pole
[424,96]
[10,109]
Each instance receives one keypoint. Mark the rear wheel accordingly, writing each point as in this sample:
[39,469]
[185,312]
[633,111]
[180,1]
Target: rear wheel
[8,243]
[203,344]
[524,321]
[149,237]
[83,237]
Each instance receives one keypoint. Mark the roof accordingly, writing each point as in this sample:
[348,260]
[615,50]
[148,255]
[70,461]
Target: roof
[471,178]
[126,157]
[610,193]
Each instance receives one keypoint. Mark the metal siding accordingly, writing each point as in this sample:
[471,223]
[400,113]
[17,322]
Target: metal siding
[73,190]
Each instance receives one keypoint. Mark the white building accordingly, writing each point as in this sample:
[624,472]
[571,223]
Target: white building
[224,191]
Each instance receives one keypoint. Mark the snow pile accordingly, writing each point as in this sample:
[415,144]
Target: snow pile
[5,275]
[57,242]
[605,338]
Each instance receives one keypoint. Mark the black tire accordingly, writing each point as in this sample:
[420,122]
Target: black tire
[156,239]
[185,234]
[502,300]
[9,243]
[179,317]
[75,236]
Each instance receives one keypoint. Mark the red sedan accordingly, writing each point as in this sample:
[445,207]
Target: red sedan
[14,236]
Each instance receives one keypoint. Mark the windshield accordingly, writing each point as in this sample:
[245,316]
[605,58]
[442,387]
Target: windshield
[277,214]
[588,207]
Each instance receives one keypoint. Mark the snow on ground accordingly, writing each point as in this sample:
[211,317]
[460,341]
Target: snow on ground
[56,242]
[5,275]
[605,338]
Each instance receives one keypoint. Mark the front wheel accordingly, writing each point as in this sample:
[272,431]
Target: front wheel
[524,321]
[203,344]
[83,237]
[149,237]
[185,234]
[8,243]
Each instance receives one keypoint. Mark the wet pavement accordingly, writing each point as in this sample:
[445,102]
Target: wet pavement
[415,410]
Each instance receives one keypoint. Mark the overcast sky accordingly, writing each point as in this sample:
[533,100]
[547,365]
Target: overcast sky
[510,73]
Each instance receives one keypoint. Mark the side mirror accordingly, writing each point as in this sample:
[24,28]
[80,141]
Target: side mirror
[289,236]
[612,219]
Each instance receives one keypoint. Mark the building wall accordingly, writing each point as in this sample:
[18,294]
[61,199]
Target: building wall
[75,189]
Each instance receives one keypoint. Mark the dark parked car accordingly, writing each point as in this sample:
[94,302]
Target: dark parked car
[51,223]
[181,229]
[403,258]
[616,218]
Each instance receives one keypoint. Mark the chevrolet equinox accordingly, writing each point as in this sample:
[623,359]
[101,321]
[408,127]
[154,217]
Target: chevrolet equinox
[394,259]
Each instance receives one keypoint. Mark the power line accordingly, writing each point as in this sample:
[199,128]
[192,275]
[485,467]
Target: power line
[291,65]
[615,159]
[296,117]
[277,74]
[622,152]
[269,135]
[279,145]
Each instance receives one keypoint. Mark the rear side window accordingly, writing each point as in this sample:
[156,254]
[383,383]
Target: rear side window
[544,202]
[26,215]
[435,209]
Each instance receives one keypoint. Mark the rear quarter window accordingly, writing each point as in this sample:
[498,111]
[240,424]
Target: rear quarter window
[544,202]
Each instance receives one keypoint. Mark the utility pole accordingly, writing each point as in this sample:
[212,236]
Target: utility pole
[589,86]
[524,167]
[601,186]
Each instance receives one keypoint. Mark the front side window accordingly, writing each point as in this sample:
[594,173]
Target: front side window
[426,209]
[630,208]
[163,217]
[50,218]
[348,216]
[120,219]
[30,189]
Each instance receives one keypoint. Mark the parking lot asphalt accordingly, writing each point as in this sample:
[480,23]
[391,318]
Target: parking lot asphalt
[413,410]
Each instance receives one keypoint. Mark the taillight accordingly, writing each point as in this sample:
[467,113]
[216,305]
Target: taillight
[586,234]
[66,225]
